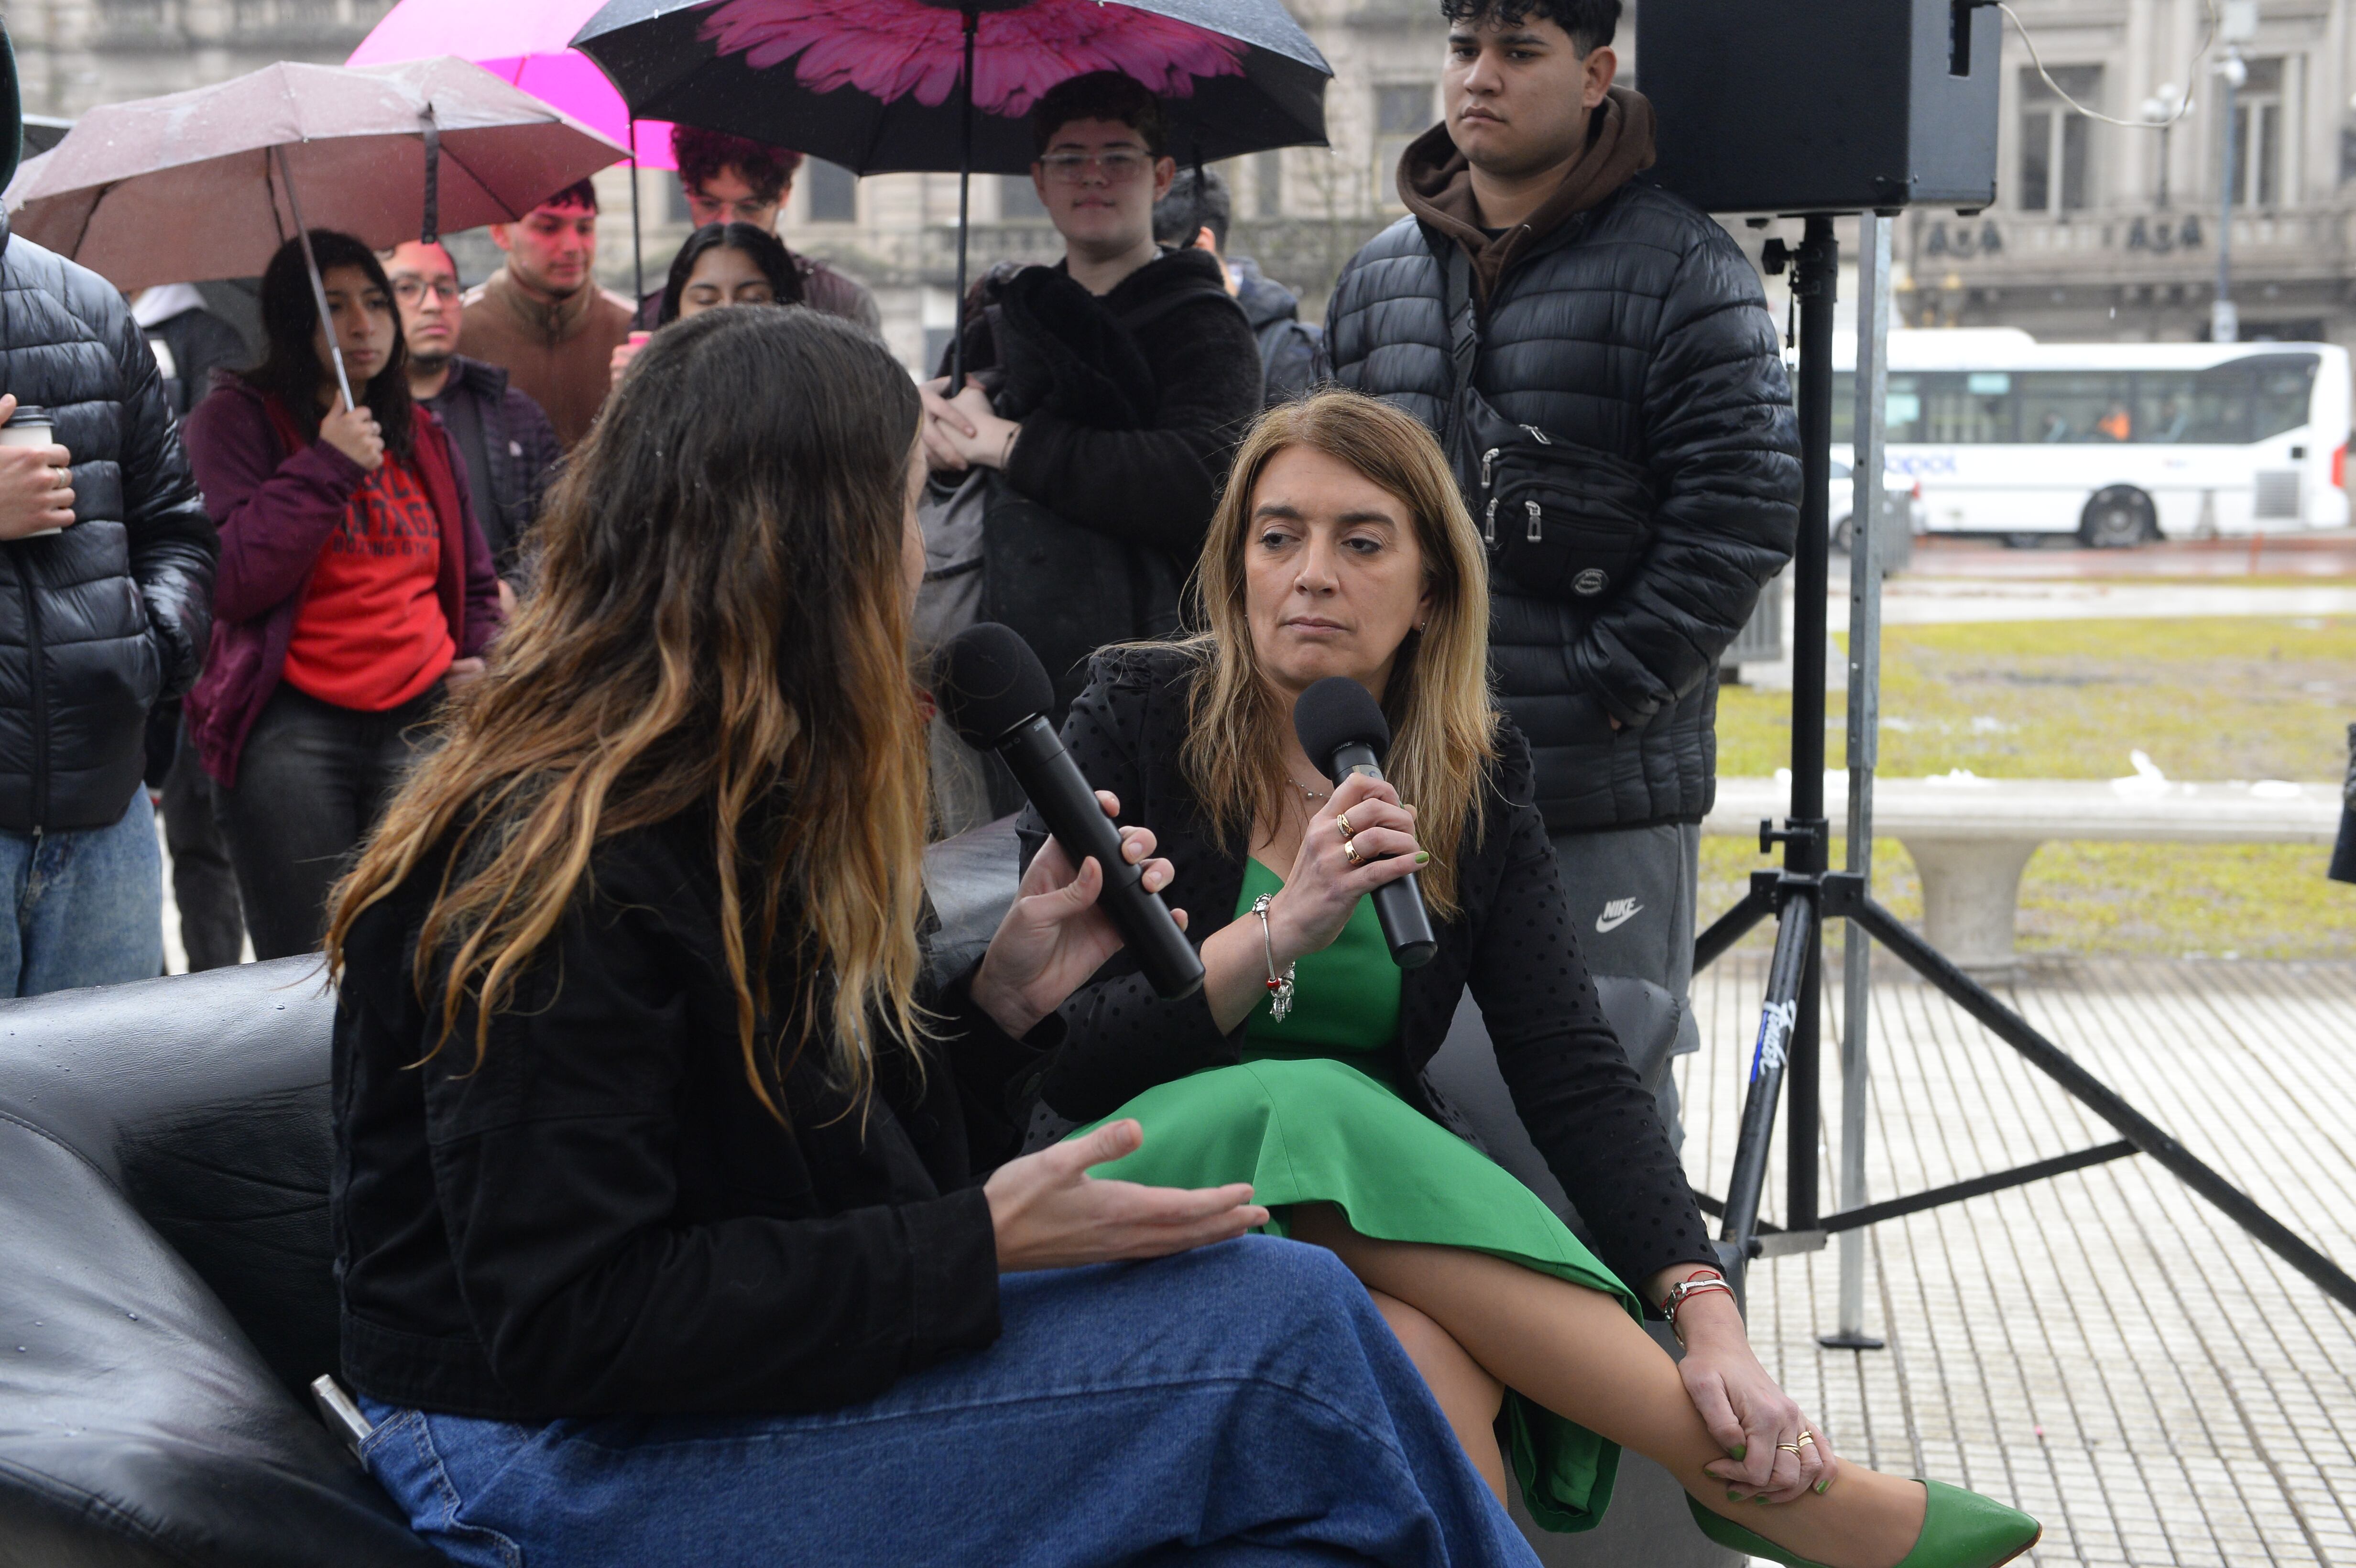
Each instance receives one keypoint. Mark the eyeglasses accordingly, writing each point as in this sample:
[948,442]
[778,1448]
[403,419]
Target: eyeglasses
[1118,166]
[408,290]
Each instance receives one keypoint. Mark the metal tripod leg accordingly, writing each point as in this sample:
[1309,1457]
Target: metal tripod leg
[1787,976]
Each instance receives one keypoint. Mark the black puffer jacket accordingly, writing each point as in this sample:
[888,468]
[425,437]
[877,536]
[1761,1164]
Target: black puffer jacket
[1636,328]
[99,623]
[1131,405]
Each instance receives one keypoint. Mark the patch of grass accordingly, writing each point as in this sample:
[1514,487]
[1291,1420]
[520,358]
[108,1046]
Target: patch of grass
[2205,698]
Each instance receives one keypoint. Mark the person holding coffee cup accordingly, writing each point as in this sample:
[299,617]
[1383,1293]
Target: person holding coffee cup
[106,568]
[37,494]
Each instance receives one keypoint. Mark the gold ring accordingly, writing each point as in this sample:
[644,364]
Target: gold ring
[1350,851]
[1342,821]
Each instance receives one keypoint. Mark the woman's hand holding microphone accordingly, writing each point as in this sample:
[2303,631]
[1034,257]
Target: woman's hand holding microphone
[1360,839]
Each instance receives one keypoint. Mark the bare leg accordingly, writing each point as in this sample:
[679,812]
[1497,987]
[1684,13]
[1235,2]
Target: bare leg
[1577,1353]
[1468,1395]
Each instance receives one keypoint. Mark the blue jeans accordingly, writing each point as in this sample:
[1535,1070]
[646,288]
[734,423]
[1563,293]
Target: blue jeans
[1242,1405]
[83,908]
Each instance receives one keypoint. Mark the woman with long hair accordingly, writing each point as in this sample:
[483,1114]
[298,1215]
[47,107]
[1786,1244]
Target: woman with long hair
[719,265]
[354,589]
[728,264]
[1341,547]
[663,1237]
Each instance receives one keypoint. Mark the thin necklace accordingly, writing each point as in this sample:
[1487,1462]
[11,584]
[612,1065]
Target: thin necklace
[1312,796]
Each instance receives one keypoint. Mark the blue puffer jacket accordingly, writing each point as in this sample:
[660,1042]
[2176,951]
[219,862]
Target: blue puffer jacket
[98,623]
[1636,328]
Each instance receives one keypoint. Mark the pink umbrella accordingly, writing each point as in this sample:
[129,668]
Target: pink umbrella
[529,42]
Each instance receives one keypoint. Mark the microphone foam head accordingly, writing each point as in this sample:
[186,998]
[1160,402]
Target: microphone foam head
[1334,713]
[987,681]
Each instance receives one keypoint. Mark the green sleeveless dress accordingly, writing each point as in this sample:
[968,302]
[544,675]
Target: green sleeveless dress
[1311,1117]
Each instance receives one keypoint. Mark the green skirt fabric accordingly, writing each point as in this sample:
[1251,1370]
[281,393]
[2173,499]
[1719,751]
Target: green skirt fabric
[1311,1129]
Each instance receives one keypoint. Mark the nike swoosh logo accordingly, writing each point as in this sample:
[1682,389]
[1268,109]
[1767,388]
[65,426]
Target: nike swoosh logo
[1617,913]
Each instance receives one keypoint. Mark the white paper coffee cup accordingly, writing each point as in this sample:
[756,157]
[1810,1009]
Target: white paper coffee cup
[30,426]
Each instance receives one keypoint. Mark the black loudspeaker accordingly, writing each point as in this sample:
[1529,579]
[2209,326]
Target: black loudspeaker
[1823,106]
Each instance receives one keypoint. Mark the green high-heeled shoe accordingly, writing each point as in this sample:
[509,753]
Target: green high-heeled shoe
[1960,1530]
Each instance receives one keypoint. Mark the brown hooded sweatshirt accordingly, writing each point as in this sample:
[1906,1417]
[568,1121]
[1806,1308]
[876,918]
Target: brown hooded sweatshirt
[1436,183]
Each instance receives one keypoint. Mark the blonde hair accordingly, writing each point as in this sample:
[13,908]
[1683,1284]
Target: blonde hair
[719,624]
[1443,721]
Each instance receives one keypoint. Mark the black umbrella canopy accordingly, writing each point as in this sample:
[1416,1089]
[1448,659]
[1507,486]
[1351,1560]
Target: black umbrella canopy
[849,81]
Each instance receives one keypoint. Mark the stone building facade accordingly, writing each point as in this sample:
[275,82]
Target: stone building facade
[2099,231]
[2106,232]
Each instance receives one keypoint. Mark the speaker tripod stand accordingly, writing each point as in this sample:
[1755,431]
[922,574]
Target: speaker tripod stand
[1805,894]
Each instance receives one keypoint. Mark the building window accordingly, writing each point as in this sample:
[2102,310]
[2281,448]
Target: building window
[833,192]
[1402,112]
[1018,200]
[2056,162]
[1268,183]
[2258,147]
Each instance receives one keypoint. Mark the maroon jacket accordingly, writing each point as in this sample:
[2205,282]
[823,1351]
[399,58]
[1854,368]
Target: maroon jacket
[275,511]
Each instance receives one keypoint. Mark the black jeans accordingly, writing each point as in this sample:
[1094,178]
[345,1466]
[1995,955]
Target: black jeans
[312,781]
[204,883]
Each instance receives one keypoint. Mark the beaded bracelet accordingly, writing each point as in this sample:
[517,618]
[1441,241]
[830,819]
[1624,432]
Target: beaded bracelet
[1279,986]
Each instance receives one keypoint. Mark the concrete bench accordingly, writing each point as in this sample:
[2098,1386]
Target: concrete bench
[1970,837]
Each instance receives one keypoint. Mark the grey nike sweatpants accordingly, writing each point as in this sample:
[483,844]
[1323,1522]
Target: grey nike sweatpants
[1632,894]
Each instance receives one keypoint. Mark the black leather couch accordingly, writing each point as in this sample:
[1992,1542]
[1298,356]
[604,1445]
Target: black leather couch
[166,1289]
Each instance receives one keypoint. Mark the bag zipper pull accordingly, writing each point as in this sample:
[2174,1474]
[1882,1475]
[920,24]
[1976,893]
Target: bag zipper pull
[1541,437]
[1533,505]
[1489,532]
[1487,458]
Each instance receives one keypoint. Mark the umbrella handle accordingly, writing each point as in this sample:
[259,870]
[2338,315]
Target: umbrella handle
[318,289]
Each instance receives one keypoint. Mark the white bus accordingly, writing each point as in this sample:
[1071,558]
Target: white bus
[2115,444]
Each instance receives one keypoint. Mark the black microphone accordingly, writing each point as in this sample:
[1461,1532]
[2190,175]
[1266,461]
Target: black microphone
[1344,731]
[995,693]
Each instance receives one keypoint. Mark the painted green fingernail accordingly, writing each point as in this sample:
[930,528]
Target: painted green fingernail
[1421,856]
[1732,1495]
[1823,1484]
[1739,1449]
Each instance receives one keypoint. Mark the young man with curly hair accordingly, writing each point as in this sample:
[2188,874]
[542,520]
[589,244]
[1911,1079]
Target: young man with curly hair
[732,179]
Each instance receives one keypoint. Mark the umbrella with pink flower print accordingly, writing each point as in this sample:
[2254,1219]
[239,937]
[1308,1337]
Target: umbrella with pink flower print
[872,85]
[948,85]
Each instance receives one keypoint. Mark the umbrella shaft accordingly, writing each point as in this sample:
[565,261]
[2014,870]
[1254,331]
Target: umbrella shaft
[318,287]
[965,196]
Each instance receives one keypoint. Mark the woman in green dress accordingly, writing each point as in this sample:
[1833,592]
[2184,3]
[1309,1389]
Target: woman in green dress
[1341,547]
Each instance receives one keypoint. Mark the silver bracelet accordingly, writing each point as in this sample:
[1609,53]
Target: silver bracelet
[1699,1283]
[1279,986]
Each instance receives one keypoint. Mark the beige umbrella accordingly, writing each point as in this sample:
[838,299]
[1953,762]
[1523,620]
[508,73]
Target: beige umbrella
[209,183]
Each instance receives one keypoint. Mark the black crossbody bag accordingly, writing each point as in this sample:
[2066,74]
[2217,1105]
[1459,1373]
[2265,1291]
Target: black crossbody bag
[1562,521]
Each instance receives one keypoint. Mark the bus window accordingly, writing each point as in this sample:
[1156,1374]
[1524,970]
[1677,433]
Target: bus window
[2164,402]
[2075,405]
[2221,406]
[1902,409]
[2284,386]
[1974,410]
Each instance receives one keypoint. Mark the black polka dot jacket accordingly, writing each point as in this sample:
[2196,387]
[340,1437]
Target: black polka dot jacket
[1512,943]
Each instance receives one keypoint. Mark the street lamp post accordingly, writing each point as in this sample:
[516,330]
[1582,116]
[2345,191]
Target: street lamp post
[2162,109]
[2225,322]
[2237,25]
